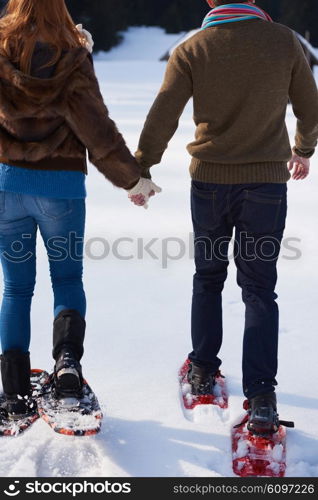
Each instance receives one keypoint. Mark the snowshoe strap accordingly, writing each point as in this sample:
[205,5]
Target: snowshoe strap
[47,386]
[286,423]
[246,407]
[244,421]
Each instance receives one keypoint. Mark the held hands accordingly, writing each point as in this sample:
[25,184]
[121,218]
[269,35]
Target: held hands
[299,167]
[89,39]
[140,194]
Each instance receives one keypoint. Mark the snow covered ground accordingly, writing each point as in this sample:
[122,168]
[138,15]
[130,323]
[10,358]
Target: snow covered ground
[139,314]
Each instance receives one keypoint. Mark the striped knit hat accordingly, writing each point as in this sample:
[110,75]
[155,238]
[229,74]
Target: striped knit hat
[212,5]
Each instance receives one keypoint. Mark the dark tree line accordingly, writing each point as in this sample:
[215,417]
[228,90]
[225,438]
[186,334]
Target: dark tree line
[106,18]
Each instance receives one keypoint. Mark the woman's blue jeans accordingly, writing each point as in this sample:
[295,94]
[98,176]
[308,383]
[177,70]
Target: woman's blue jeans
[61,223]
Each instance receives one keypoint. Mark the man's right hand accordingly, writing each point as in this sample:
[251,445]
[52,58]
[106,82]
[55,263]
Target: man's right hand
[299,167]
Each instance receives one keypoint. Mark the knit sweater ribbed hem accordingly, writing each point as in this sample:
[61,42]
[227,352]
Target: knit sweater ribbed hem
[217,173]
[50,163]
[65,184]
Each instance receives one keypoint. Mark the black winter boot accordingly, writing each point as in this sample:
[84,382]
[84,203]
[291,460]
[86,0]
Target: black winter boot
[68,340]
[201,380]
[15,373]
[263,418]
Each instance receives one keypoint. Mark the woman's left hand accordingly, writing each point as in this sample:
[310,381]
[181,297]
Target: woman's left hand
[89,39]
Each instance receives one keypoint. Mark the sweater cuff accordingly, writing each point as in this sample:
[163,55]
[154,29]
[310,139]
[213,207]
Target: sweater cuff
[145,172]
[144,166]
[302,153]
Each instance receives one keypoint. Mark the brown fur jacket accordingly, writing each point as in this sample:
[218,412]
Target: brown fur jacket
[49,123]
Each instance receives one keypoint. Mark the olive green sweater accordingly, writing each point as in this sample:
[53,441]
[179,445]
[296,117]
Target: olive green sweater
[241,76]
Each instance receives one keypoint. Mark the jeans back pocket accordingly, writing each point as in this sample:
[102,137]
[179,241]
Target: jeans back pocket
[203,206]
[263,213]
[53,207]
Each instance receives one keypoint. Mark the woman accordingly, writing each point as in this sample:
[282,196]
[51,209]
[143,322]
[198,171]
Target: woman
[51,112]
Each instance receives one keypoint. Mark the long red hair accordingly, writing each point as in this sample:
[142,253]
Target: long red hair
[26,21]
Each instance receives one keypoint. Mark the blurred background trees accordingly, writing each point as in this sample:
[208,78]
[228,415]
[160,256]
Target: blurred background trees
[106,18]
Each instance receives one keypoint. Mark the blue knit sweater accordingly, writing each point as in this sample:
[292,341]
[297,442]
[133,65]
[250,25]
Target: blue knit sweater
[47,183]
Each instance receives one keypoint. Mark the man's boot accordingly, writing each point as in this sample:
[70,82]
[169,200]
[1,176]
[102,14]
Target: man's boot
[263,417]
[201,380]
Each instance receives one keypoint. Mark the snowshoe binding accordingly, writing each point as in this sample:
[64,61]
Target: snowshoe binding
[201,387]
[259,440]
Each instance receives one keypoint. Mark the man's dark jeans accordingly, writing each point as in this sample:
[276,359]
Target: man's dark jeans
[258,214]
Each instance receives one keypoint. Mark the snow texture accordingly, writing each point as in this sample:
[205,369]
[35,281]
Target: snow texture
[138,317]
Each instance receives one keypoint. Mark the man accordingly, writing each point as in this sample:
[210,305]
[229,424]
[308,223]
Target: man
[241,69]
